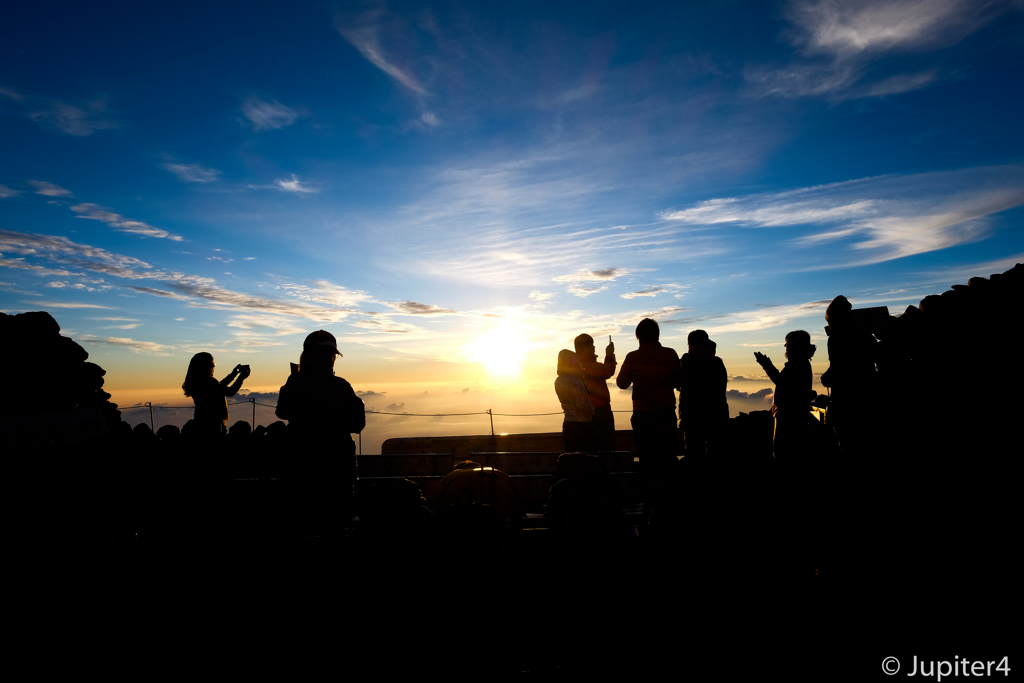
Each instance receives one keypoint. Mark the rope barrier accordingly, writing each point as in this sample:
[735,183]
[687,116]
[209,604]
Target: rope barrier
[489,413]
[377,412]
[370,412]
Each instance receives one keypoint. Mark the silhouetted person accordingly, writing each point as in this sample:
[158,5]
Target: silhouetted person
[792,447]
[209,395]
[595,375]
[652,370]
[703,409]
[577,430]
[792,399]
[322,412]
[851,379]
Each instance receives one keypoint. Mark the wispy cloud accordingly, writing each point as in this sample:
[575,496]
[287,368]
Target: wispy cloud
[766,317]
[65,304]
[265,115]
[846,29]
[541,296]
[882,218]
[193,173]
[577,280]
[22,264]
[120,223]
[416,308]
[6,192]
[293,185]
[9,287]
[75,120]
[655,290]
[201,291]
[363,33]
[156,292]
[254,343]
[324,292]
[132,345]
[523,220]
[49,189]
[839,40]
[583,275]
[279,324]
[382,324]
[67,252]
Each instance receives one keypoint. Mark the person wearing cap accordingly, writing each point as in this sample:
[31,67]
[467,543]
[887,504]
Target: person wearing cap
[703,409]
[323,412]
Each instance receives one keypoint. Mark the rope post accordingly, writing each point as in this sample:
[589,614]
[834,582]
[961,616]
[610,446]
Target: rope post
[491,415]
[152,425]
[253,401]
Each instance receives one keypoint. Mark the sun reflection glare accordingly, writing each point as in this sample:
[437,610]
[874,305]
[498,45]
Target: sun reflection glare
[502,349]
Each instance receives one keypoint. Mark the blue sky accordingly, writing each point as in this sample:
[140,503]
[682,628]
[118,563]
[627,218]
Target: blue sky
[441,184]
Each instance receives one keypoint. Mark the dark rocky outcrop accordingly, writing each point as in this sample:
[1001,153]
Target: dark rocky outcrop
[48,373]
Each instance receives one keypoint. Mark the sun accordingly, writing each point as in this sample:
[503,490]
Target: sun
[501,349]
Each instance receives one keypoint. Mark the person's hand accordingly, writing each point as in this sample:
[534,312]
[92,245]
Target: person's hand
[246,372]
[610,349]
[761,358]
[238,369]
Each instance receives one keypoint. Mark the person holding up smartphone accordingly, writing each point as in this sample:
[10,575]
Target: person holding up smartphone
[596,376]
[209,395]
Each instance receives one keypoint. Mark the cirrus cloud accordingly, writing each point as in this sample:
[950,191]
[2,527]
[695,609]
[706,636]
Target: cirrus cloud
[120,223]
[265,115]
[193,173]
[881,218]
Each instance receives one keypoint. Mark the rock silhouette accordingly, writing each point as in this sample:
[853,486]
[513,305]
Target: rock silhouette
[46,372]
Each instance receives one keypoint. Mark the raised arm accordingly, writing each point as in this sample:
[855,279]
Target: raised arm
[609,358]
[600,370]
[230,389]
[766,364]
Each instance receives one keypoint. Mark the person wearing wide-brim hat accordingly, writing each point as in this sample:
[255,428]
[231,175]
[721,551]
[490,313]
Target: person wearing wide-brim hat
[323,412]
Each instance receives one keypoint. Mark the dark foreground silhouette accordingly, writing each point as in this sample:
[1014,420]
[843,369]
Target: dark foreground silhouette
[901,534]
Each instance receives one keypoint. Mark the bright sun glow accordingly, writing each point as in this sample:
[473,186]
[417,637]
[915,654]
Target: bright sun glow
[502,349]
